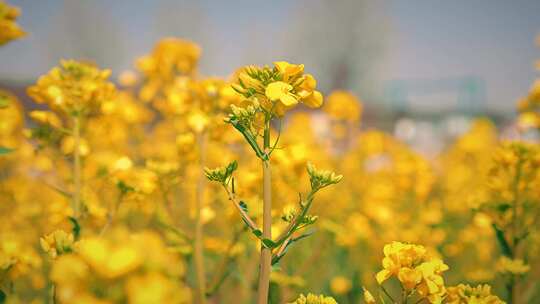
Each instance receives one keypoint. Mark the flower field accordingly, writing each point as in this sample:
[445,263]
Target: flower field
[168,186]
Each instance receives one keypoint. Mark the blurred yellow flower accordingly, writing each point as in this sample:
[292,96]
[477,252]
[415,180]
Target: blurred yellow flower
[57,243]
[314,299]
[466,294]
[340,285]
[9,30]
[343,105]
[512,266]
[73,88]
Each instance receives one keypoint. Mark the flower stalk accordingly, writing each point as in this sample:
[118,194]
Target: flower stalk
[266,253]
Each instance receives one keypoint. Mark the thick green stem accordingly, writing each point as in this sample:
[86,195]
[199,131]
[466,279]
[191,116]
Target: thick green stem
[76,167]
[266,253]
[198,246]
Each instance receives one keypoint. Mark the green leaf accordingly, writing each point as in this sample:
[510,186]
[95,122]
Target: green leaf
[2,297]
[76,227]
[277,258]
[503,207]
[5,150]
[124,188]
[249,138]
[268,243]
[257,232]
[501,240]
[244,206]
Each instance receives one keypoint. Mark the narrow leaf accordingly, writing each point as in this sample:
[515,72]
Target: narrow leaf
[5,150]
[503,244]
[76,227]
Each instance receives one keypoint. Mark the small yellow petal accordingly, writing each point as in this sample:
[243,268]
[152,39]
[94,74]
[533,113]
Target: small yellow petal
[314,100]
[288,100]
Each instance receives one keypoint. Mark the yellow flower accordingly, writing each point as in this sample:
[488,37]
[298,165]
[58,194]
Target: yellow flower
[69,269]
[512,266]
[288,70]
[314,100]
[47,118]
[432,285]
[109,262]
[9,30]
[398,255]
[281,91]
[314,299]
[466,294]
[155,288]
[409,277]
[342,105]
[340,285]
[57,243]
[368,297]
[198,121]
[68,146]
[73,88]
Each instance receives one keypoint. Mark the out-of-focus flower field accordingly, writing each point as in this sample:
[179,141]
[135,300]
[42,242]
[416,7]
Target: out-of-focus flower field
[166,186]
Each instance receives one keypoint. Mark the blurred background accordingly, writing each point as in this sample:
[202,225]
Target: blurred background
[421,68]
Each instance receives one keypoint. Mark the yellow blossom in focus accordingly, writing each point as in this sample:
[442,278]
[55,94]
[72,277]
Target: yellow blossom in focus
[415,269]
[288,70]
[281,91]
[398,255]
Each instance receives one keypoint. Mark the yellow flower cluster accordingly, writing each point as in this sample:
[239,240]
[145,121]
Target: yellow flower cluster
[280,88]
[131,162]
[73,88]
[120,268]
[343,105]
[415,269]
[340,285]
[512,266]
[170,59]
[9,30]
[513,187]
[314,299]
[57,243]
[466,294]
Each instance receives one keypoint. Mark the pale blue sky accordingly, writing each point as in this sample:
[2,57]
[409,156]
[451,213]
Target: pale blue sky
[491,40]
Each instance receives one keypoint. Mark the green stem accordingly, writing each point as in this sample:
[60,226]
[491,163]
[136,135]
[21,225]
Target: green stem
[266,253]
